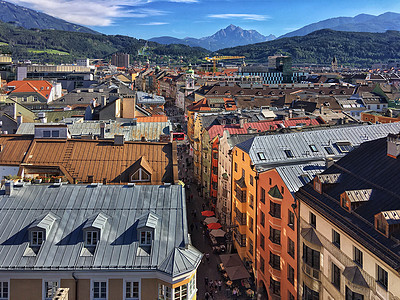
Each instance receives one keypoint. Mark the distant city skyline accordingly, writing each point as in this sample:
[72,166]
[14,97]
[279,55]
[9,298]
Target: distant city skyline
[199,18]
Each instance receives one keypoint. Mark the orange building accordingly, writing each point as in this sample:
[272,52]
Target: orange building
[276,248]
[374,117]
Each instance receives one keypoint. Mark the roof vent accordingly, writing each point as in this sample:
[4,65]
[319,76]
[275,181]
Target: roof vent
[118,140]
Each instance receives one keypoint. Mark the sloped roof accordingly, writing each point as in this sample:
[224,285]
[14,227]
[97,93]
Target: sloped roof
[354,275]
[149,219]
[41,87]
[274,192]
[118,243]
[309,235]
[142,163]
[14,148]
[97,220]
[45,221]
[181,260]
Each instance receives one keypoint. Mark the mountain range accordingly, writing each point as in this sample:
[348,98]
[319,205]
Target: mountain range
[359,23]
[230,36]
[28,18]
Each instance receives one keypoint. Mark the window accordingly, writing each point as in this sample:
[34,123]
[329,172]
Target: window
[290,296]
[251,200]
[180,292]
[235,167]
[262,241]
[91,238]
[261,155]
[192,287]
[291,247]
[358,256]
[275,286]
[251,180]
[382,277]
[140,175]
[164,292]
[313,148]
[335,276]
[290,275]
[250,246]
[350,295]
[274,261]
[46,133]
[243,156]
[275,209]
[311,257]
[37,238]
[344,147]
[270,181]
[262,198]
[243,173]
[282,190]
[262,219]
[145,238]
[3,289]
[132,290]
[99,290]
[251,223]
[275,235]
[329,150]
[291,219]
[309,294]
[50,289]
[288,153]
[313,220]
[336,238]
[55,133]
[262,264]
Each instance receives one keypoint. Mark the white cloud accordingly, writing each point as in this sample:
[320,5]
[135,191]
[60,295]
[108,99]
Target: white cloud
[154,24]
[95,12]
[253,17]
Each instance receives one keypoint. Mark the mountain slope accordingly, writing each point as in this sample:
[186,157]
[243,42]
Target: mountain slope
[350,48]
[231,36]
[359,23]
[54,46]
[29,18]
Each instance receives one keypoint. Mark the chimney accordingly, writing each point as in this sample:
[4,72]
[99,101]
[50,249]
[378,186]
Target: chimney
[9,186]
[102,130]
[103,100]
[393,145]
[241,122]
[118,140]
[90,178]
[104,181]
[290,114]
[19,120]
[329,162]
[42,117]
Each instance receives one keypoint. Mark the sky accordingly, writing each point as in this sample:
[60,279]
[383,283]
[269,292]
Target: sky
[145,19]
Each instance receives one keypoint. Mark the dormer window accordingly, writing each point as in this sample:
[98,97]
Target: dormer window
[37,238]
[140,175]
[146,238]
[344,147]
[46,133]
[91,238]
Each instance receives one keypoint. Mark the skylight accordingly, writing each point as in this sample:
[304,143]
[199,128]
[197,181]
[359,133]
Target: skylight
[288,153]
[313,148]
[261,155]
[329,150]
[344,147]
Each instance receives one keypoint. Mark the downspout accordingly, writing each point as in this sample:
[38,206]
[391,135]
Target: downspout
[255,229]
[76,285]
[298,245]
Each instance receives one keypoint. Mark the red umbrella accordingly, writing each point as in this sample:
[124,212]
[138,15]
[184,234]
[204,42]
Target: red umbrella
[214,226]
[207,213]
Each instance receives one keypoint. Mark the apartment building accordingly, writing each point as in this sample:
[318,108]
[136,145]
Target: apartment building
[110,242]
[266,171]
[349,226]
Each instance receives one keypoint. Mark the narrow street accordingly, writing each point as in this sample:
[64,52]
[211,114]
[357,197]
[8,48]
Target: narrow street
[208,269]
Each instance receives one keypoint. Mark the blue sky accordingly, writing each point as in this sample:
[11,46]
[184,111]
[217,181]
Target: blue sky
[198,18]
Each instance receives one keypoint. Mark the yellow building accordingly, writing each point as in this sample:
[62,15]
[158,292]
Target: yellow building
[99,241]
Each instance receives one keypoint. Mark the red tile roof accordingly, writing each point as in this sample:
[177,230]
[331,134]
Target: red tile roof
[41,87]
[260,126]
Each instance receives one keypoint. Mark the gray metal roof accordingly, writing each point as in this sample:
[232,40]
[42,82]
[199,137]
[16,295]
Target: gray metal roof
[118,247]
[145,98]
[299,143]
[150,130]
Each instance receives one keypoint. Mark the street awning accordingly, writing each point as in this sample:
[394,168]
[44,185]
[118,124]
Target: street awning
[218,233]
[214,226]
[207,213]
[238,272]
[210,220]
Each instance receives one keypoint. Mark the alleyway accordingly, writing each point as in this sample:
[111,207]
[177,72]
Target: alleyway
[208,268]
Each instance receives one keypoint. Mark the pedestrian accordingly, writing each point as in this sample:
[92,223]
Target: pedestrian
[206,295]
[208,260]
[220,285]
[210,283]
[191,227]
[204,206]
[206,280]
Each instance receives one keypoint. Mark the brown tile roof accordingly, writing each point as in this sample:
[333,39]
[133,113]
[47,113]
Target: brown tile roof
[13,148]
[78,159]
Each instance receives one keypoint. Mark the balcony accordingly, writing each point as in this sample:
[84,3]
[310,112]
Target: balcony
[310,271]
[240,238]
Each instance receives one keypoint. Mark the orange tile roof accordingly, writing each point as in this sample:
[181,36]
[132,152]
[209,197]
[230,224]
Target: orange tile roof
[154,118]
[14,148]
[41,87]
[101,159]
